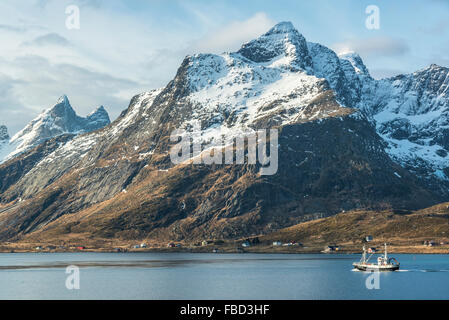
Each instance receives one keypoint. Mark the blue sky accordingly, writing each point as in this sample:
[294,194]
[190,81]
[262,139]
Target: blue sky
[125,47]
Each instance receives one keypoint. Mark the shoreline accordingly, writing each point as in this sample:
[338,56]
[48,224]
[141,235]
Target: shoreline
[234,250]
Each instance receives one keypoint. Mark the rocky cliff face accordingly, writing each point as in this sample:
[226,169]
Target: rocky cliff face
[53,122]
[336,150]
[411,114]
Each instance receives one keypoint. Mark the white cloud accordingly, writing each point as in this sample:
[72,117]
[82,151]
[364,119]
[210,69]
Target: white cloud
[381,73]
[49,39]
[231,36]
[375,46]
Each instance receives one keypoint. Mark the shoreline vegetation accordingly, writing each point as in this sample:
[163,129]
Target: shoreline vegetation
[227,247]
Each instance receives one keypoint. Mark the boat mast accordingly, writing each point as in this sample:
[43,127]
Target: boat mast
[386,255]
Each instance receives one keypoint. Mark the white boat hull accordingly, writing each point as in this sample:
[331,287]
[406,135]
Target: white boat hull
[375,267]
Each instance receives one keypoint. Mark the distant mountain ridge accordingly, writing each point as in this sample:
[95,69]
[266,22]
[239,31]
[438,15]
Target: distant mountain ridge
[53,122]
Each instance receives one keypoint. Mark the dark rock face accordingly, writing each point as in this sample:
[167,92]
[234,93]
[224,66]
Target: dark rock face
[442,138]
[13,170]
[66,119]
[96,120]
[282,39]
[399,129]
[4,136]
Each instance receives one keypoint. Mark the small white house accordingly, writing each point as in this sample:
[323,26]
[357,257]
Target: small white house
[277,244]
[143,245]
[246,244]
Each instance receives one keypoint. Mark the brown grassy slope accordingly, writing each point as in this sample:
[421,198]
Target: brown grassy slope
[351,227]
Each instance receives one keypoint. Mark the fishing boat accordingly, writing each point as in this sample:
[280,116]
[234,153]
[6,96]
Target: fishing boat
[383,262]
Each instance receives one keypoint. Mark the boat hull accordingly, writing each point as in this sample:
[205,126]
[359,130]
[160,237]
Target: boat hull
[373,267]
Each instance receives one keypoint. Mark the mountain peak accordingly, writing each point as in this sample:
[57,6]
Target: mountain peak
[4,133]
[439,74]
[62,109]
[100,109]
[99,118]
[63,99]
[436,67]
[282,27]
[356,62]
[281,40]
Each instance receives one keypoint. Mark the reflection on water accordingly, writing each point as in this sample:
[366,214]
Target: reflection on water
[217,276]
[153,263]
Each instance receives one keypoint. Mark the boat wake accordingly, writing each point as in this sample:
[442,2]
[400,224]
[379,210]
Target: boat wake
[403,270]
[423,270]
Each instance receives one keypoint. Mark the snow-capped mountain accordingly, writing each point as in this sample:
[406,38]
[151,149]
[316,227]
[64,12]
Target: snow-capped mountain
[275,76]
[340,133]
[53,122]
[411,113]
[270,81]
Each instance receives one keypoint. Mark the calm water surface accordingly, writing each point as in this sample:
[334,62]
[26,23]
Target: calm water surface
[217,276]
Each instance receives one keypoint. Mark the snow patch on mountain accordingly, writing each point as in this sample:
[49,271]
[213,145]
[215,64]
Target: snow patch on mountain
[139,108]
[356,62]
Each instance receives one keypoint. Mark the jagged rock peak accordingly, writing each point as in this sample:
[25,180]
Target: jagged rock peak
[63,99]
[282,27]
[281,40]
[434,66]
[438,73]
[4,133]
[356,62]
[62,108]
[99,118]
[100,111]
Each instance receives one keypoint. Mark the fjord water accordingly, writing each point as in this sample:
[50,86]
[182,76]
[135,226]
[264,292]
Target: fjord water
[217,276]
